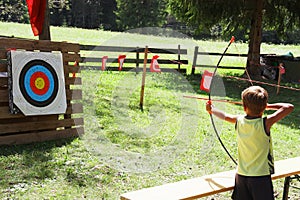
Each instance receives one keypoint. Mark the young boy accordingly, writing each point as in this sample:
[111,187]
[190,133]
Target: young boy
[255,157]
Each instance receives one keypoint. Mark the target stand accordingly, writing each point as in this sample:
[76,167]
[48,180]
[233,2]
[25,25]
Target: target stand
[36,83]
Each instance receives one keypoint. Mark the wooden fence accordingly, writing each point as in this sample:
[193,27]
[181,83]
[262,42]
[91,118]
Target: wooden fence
[196,53]
[20,129]
[170,59]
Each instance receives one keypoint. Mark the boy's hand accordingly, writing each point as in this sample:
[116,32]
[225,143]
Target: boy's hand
[209,107]
[220,114]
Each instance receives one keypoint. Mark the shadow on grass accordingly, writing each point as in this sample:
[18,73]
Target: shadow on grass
[42,147]
[28,162]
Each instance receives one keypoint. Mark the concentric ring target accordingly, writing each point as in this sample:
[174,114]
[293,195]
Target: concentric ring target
[38,83]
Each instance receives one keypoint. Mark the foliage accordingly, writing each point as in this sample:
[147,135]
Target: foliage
[14,11]
[228,18]
[282,15]
[234,16]
[138,14]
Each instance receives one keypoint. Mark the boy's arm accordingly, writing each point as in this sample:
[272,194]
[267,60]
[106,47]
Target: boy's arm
[220,114]
[282,110]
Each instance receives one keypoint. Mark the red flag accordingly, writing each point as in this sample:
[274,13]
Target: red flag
[154,67]
[232,39]
[121,59]
[206,81]
[281,69]
[36,10]
[104,59]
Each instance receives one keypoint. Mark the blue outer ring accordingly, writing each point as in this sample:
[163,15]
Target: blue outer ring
[24,83]
[28,89]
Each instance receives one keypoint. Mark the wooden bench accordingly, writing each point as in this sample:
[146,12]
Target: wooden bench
[208,185]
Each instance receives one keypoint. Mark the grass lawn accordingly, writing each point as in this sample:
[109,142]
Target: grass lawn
[125,149]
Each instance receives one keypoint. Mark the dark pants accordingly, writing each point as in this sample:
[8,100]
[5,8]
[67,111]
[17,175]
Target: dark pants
[253,188]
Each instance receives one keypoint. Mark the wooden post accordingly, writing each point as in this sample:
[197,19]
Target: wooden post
[45,35]
[279,77]
[178,58]
[286,188]
[137,59]
[143,79]
[278,83]
[195,59]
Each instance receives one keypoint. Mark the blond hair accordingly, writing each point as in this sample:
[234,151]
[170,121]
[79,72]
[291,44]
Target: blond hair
[255,98]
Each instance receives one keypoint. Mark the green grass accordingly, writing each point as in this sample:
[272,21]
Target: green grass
[125,149]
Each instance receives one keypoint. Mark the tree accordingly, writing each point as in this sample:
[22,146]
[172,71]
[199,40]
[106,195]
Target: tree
[250,15]
[108,18]
[59,12]
[13,11]
[137,14]
[86,13]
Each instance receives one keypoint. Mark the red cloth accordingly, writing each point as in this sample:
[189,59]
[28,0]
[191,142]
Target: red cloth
[154,67]
[121,59]
[104,59]
[206,81]
[36,9]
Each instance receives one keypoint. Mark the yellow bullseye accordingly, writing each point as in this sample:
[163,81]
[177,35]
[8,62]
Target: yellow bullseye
[39,83]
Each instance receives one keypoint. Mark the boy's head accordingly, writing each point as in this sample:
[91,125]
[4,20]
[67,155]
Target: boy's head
[255,99]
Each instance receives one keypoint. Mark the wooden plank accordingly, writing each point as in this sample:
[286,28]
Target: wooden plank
[73,81]
[221,67]
[5,114]
[71,57]
[107,48]
[74,94]
[287,167]
[3,67]
[41,136]
[70,94]
[43,45]
[206,185]
[168,51]
[30,119]
[3,81]
[133,60]
[38,125]
[132,69]
[3,53]
[220,54]
[3,96]
[130,49]
[75,108]
[73,68]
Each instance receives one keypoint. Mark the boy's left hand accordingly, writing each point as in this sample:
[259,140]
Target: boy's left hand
[209,107]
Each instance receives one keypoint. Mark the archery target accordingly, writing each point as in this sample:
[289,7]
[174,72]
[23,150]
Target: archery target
[37,82]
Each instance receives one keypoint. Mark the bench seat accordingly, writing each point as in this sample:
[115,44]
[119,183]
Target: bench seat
[206,185]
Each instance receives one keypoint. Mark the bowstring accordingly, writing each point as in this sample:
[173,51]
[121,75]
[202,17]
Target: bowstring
[240,58]
[209,99]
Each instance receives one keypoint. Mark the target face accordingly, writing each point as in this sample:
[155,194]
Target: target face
[37,83]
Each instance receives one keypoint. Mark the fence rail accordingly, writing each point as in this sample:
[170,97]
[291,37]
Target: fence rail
[92,57]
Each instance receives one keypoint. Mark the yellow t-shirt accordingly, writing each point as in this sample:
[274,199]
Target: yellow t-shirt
[255,152]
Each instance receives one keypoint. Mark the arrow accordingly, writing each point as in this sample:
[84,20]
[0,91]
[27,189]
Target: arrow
[217,100]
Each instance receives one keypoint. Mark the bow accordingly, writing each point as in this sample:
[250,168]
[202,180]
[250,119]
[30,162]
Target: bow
[209,99]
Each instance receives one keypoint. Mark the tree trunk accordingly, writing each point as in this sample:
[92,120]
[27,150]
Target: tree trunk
[45,35]
[253,60]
